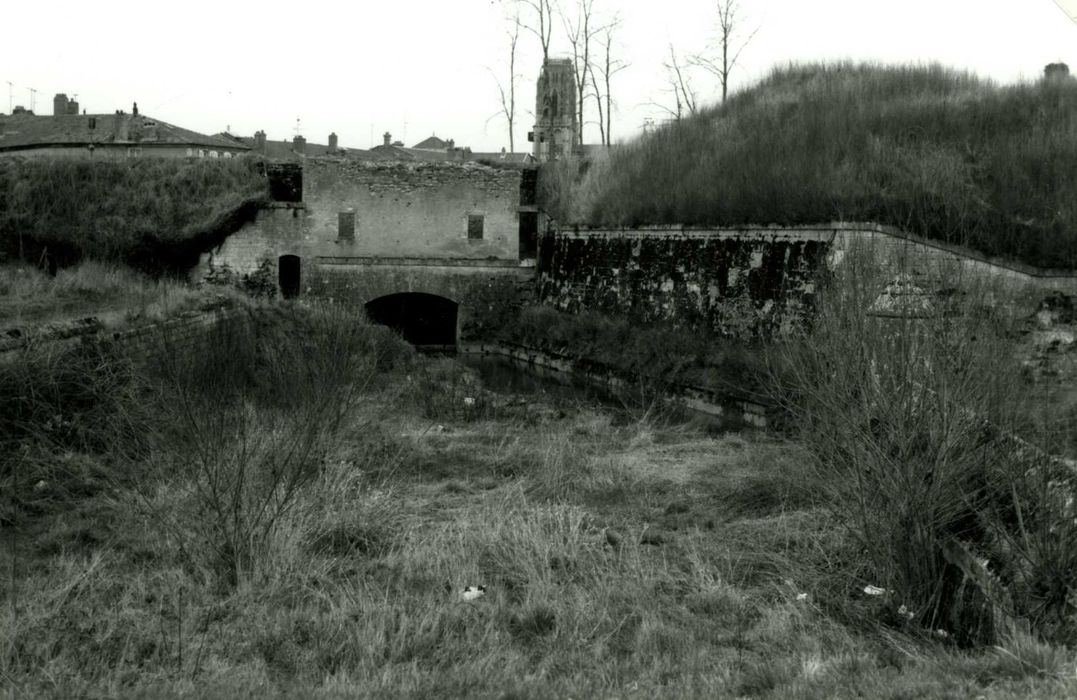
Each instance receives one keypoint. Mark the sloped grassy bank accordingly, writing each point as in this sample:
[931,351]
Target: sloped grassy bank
[154,214]
[935,151]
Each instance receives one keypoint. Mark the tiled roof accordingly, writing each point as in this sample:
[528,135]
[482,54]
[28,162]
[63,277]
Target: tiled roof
[432,144]
[24,131]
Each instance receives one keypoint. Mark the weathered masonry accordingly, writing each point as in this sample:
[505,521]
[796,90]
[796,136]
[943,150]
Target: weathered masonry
[716,278]
[737,279]
[434,249]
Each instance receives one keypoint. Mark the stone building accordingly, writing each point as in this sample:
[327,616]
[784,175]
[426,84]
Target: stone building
[429,248]
[556,131]
[353,209]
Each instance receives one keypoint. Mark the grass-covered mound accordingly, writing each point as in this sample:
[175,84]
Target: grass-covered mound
[153,213]
[935,151]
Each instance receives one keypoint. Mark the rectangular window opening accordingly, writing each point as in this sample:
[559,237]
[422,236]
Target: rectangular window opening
[346,226]
[474,226]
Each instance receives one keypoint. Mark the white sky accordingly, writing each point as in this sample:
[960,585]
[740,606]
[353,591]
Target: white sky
[417,67]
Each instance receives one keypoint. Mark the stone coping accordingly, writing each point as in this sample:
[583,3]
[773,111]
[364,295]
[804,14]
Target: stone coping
[370,260]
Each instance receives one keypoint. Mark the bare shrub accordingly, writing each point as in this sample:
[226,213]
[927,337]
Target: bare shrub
[248,420]
[911,421]
[57,402]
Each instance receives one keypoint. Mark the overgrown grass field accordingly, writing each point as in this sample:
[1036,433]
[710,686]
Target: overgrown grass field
[935,151]
[151,213]
[293,508]
[108,292]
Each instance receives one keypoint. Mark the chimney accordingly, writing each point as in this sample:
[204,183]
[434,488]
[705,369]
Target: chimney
[134,109]
[260,141]
[333,142]
[59,104]
[72,107]
[299,144]
[388,138]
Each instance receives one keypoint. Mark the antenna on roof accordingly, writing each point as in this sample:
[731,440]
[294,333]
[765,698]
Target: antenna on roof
[33,98]
[297,126]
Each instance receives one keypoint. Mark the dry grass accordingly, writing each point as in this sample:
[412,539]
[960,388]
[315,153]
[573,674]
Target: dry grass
[935,151]
[110,292]
[154,213]
[621,560]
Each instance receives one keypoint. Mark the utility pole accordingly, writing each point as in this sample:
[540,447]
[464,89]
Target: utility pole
[33,98]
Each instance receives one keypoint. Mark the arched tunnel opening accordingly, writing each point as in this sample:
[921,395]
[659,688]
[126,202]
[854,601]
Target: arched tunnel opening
[422,319]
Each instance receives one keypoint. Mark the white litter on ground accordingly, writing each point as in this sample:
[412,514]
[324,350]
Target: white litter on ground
[473,592]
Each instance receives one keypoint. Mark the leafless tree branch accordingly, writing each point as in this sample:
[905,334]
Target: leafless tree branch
[729,41]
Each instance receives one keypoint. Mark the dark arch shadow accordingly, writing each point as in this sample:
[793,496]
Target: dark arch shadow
[422,319]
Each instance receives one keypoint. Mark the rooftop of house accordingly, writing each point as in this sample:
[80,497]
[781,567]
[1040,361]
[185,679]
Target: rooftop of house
[283,150]
[23,131]
[455,154]
[433,143]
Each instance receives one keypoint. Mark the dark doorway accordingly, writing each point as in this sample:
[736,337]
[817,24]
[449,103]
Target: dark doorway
[288,275]
[528,235]
[422,319]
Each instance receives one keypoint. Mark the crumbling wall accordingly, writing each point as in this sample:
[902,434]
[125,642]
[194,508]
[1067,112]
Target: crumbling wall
[414,209]
[417,211]
[750,279]
[732,281]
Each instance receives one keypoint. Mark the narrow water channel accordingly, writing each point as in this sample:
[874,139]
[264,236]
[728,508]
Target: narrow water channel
[507,376]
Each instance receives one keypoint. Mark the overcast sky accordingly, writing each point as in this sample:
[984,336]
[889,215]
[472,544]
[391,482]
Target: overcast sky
[422,67]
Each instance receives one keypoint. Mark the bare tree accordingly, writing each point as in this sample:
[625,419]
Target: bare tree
[581,30]
[730,44]
[507,90]
[539,22]
[607,68]
[680,84]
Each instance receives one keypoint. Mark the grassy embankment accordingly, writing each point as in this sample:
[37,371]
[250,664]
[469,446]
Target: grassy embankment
[934,151]
[110,293]
[291,508]
[114,233]
[153,214]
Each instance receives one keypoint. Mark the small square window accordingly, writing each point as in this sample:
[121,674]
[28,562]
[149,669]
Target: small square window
[474,226]
[346,225]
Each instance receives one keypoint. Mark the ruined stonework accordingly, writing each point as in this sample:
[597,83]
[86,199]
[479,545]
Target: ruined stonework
[366,231]
[736,282]
[556,129]
[485,295]
[751,279]
[349,210]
